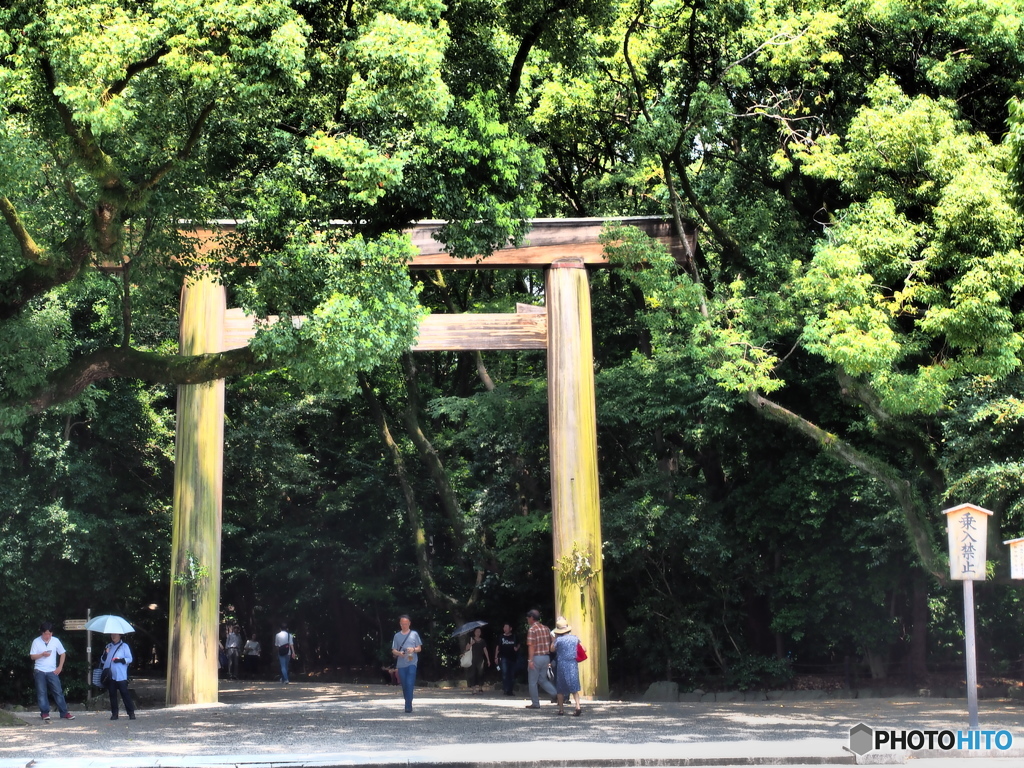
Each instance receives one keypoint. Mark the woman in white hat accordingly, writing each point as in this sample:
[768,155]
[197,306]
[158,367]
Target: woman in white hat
[567,670]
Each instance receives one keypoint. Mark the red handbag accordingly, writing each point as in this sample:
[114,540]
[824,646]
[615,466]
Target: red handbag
[581,654]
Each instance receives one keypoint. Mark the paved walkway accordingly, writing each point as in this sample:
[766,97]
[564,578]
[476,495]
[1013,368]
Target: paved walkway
[267,725]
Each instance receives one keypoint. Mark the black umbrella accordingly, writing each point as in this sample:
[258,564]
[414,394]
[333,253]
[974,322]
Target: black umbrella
[469,626]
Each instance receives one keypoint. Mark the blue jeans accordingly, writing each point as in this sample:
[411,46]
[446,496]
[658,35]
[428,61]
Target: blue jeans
[539,676]
[407,678]
[508,674]
[284,666]
[49,680]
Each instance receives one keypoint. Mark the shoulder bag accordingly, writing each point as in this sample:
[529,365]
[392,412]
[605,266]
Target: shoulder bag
[581,653]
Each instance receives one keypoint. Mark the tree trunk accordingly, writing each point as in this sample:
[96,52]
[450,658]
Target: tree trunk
[435,595]
[919,630]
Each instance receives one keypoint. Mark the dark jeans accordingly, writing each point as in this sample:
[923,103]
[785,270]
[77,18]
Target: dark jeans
[509,667]
[113,686]
[49,682]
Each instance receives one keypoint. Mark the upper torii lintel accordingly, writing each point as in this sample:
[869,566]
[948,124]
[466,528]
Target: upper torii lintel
[547,241]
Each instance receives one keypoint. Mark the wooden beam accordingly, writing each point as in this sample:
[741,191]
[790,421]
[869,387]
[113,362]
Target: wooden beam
[527,329]
[548,232]
[240,328]
[513,258]
[469,332]
[548,241]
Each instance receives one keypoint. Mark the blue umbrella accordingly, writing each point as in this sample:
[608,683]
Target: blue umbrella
[469,626]
[109,624]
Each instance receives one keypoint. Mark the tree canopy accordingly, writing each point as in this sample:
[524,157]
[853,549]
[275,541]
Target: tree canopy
[785,404]
[122,122]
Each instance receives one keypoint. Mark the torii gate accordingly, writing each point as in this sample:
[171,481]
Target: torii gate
[563,248]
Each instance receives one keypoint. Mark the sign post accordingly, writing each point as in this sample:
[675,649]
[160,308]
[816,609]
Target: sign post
[77,625]
[967,528]
[1016,558]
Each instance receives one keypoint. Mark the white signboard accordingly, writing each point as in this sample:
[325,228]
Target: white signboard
[967,526]
[1016,558]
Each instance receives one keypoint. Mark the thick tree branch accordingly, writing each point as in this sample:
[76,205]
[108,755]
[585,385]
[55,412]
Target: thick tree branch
[118,86]
[82,140]
[481,371]
[900,488]
[638,82]
[118,362]
[36,279]
[29,250]
[429,456]
[896,433]
[193,138]
[126,284]
[729,244]
[677,223]
[515,76]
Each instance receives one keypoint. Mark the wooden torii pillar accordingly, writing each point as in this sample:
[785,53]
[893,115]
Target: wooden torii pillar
[575,504]
[192,643]
[564,329]
[564,248]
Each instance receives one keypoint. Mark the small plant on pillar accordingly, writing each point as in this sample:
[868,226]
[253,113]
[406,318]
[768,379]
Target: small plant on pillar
[577,568]
[193,575]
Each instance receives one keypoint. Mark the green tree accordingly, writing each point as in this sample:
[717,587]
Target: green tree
[858,262]
[121,120]
[85,524]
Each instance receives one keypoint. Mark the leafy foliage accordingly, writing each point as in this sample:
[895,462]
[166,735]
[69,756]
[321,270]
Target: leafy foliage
[853,272]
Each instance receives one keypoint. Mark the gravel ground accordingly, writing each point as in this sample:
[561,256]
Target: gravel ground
[335,724]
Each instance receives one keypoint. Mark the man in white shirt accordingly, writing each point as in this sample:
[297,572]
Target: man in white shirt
[284,642]
[48,654]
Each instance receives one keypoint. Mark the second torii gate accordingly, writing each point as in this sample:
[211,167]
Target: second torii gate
[564,248]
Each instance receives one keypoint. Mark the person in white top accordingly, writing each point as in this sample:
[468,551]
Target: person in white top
[48,654]
[251,655]
[284,642]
